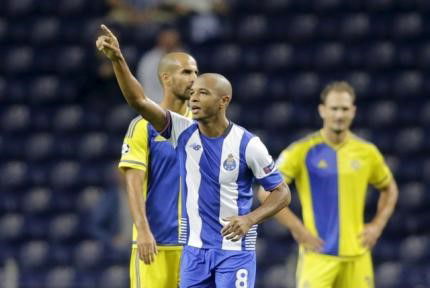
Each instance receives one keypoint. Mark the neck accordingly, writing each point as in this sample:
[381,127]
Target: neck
[334,137]
[213,127]
[172,103]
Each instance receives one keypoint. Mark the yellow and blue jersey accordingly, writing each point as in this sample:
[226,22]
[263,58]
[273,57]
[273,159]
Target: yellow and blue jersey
[332,182]
[146,150]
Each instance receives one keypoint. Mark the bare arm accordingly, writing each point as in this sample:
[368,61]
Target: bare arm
[238,226]
[386,203]
[147,246]
[131,89]
[287,218]
[278,198]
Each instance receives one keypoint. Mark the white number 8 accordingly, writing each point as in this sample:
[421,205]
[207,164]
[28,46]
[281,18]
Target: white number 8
[242,278]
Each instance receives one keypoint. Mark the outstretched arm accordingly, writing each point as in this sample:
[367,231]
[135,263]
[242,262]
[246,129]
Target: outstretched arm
[131,89]
[238,226]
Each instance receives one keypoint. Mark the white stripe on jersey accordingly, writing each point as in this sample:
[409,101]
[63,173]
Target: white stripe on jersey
[194,150]
[228,179]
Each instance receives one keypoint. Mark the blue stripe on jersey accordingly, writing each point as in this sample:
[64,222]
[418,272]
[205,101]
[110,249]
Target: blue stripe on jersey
[163,190]
[321,162]
[272,181]
[209,191]
[182,155]
[245,189]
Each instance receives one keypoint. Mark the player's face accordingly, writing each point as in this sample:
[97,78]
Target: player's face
[338,111]
[204,101]
[183,78]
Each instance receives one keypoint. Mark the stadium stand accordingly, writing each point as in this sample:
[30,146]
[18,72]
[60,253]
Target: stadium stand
[61,123]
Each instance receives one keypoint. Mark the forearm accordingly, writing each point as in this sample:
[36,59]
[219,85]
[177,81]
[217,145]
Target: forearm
[279,198]
[136,201]
[135,96]
[130,87]
[285,216]
[386,204]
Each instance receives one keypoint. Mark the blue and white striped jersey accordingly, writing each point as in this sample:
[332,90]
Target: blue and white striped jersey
[216,178]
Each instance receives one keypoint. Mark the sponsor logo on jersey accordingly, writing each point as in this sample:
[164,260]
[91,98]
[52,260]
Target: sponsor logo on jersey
[196,146]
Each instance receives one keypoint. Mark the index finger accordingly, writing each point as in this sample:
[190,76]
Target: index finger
[106,29]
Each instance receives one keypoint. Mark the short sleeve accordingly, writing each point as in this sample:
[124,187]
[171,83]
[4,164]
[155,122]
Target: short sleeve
[380,174]
[262,165]
[176,124]
[135,148]
[288,162]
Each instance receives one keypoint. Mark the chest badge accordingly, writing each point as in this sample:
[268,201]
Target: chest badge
[322,164]
[355,164]
[229,163]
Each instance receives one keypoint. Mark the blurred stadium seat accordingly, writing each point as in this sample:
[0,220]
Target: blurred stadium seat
[61,124]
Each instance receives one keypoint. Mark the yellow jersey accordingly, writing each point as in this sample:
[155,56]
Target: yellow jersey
[145,149]
[332,182]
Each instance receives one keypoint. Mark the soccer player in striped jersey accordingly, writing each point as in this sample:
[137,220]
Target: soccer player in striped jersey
[151,173]
[218,162]
[332,169]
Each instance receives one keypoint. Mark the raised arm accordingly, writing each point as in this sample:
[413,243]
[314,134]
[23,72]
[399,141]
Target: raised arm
[131,89]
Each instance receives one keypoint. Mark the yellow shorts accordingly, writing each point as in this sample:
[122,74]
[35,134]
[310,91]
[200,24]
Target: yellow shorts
[162,273]
[322,271]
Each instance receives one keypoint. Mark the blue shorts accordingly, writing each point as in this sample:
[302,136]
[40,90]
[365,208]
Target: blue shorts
[210,268]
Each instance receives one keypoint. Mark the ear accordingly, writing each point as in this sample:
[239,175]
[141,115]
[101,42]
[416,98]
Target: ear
[225,100]
[354,110]
[165,79]
[321,110]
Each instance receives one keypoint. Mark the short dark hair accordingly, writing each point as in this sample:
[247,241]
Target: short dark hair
[339,86]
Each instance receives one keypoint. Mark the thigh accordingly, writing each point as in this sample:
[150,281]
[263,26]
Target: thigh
[316,270]
[357,273]
[195,269]
[163,272]
[235,269]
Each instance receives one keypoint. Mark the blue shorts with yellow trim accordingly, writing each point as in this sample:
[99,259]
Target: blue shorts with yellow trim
[162,273]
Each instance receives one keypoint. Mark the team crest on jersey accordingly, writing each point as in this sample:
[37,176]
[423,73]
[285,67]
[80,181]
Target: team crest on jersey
[355,164]
[125,148]
[229,163]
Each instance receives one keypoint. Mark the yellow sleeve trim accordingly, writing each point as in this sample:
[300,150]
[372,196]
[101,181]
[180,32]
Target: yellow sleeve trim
[132,164]
[383,182]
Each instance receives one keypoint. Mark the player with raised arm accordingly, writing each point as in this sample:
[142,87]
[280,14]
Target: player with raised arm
[332,169]
[151,172]
[218,162]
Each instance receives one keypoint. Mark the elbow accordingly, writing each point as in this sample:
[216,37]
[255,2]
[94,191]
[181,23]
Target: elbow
[286,195]
[137,103]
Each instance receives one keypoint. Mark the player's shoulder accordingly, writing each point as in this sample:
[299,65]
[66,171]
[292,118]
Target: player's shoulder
[244,136]
[137,126]
[306,142]
[363,143]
